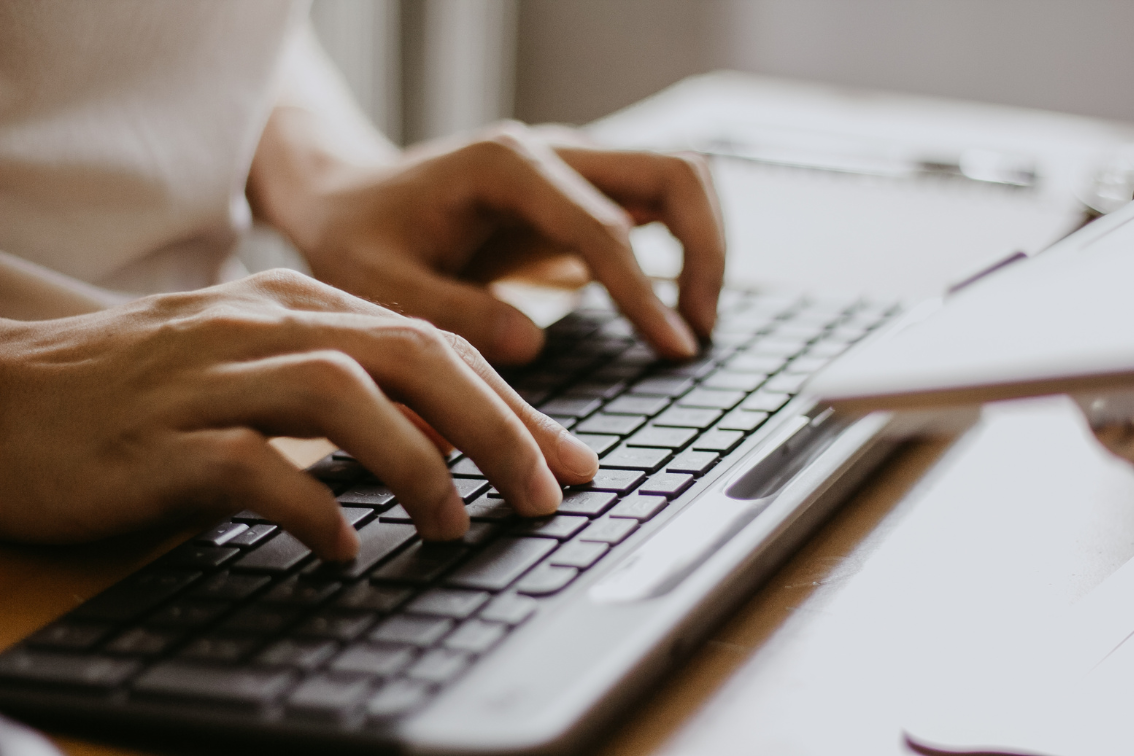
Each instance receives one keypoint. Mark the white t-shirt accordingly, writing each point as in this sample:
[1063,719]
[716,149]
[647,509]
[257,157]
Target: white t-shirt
[127,128]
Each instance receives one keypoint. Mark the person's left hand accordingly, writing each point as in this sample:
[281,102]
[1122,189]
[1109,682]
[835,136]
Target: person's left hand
[426,234]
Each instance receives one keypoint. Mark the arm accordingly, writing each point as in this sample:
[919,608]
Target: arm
[32,292]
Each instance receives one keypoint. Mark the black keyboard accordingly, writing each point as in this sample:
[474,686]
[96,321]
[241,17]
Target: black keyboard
[245,618]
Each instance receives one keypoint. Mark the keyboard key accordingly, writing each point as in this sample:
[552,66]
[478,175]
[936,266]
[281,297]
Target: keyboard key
[728,381]
[412,630]
[663,438]
[247,515]
[421,563]
[254,535]
[356,516]
[693,462]
[588,503]
[619,372]
[509,609]
[546,580]
[764,401]
[374,659]
[261,619]
[581,554]
[469,488]
[667,484]
[598,389]
[480,532]
[71,636]
[489,508]
[475,636]
[718,440]
[599,444]
[222,534]
[710,398]
[136,595]
[639,507]
[748,362]
[376,542]
[609,530]
[631,404]
[336,624]
[571,406]
[277,555]
[662,386]
[100,672]
[142,641]
[338,467]
[249,687]
[786,383]
[375,598]
[465,468]
[326,698]
[616,481]
[560,527]
[620,425]
[227,586]
[375,495]
[397,697]
[297,652]
[396,513]
[778,347]
[502,562]
[193,556]
[439,666]
[636,458]
[449,602]
[219,647]
[806,365]
[302,592]
[687,417]
[742,420]
[826,350]
[696,369]
[186,613]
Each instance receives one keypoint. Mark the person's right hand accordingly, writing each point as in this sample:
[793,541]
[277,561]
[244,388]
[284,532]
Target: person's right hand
[150,410]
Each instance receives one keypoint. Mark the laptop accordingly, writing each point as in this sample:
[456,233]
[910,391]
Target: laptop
[527,636]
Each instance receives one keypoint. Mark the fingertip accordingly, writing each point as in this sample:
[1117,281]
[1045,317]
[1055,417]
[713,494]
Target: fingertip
[448,522]
[683,342]
[576,458]
[346,542]
[544,493]
[515,339]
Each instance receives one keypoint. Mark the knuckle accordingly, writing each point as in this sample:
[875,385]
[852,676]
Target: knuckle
[417,339]
[281,280]
[330,373]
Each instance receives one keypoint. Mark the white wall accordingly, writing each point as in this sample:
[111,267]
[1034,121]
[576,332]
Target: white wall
[579,59]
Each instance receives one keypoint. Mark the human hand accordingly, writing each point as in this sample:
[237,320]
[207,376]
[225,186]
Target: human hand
[162,407]
[425,234]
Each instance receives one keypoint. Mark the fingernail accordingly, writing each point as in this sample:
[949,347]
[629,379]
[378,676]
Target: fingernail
[577,457]
[348,543]
[686,342]
[516,338]
[544,492]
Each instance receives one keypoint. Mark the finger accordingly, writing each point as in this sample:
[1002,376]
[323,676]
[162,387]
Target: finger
[239,465]
[677,190]
[570,460]
[438,440]
[326,393]
[519,176]
[503,333]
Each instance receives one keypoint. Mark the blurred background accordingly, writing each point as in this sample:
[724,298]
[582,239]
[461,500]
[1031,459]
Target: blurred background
[425,68]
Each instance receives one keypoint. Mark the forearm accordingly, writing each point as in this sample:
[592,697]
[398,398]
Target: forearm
[32,292]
